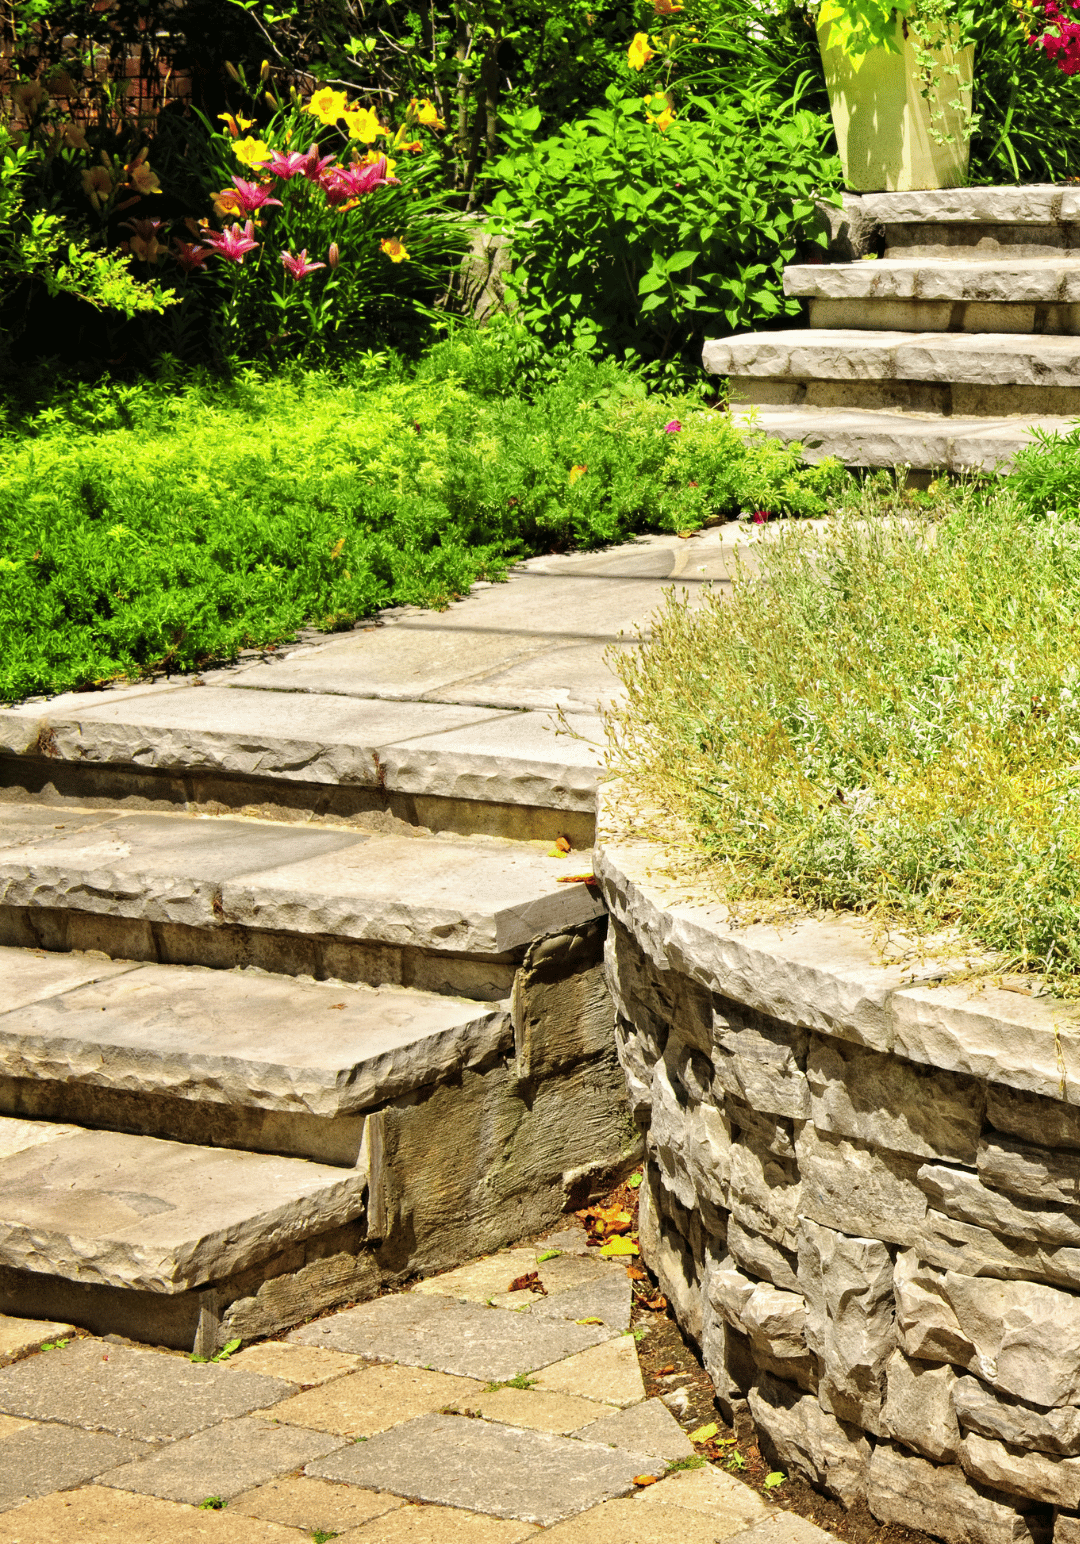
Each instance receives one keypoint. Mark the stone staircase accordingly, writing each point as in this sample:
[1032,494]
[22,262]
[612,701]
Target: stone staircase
[301,997]
[940,351]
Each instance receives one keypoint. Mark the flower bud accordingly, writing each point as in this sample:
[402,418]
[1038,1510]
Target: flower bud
[233,72]
[333,257]
[264,69]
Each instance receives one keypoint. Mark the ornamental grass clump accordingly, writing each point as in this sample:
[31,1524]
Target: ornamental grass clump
[884,719]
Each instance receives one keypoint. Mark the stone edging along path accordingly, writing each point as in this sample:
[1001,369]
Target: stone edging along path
[863,1202]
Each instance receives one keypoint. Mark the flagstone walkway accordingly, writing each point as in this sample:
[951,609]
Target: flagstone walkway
[458,1412]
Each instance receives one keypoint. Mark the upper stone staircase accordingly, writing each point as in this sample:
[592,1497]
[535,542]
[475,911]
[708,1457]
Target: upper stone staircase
[941,349]
[302,994]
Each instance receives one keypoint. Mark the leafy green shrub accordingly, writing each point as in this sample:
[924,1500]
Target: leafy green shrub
[145,529]
[645,234]
[884,720]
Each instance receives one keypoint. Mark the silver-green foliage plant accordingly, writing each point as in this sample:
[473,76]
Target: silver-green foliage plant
[884,718]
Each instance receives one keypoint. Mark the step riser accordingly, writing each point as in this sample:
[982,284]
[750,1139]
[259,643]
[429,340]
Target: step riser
[888,315]
[486,978]
[949,240]
[58,784]
[941,398]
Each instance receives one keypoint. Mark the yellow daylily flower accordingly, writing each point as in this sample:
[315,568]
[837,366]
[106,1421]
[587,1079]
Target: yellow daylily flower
[639,52]
[661,121]
[236,126]
[374,155]
[363,125]
[423,111]
[394,249]
[327,105]
[251,152]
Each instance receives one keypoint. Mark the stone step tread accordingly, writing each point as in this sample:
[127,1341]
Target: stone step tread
[106,1208]
[442,894]
[847,354]
[430,748]
[923,441]
[1037,204]
[1030,280]
[242,1038]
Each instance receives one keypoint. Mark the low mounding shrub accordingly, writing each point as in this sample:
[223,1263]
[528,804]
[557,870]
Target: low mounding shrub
[151,528]
[885,720]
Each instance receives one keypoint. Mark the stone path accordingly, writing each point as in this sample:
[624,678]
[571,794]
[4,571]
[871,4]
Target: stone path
[459,1412]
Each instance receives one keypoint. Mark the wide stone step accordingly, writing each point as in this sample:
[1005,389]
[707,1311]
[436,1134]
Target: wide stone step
[225,1058]
[444,914]
[975,374]
[923,442]
[296,754]
[1032,295]
[148,1226]
[1021,222]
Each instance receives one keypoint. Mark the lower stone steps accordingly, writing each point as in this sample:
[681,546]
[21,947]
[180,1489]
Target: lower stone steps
[445,914]
[925,442]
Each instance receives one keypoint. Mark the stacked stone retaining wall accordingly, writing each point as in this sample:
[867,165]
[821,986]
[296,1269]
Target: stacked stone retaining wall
[863,1202]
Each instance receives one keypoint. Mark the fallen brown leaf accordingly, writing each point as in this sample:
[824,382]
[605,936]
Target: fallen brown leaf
[530,1282]
[644,1479]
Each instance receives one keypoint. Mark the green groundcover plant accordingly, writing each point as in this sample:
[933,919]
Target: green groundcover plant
[885,720]
[146,529]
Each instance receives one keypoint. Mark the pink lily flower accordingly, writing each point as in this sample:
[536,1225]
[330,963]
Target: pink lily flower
[251,196]
[299,267]
[674,427]
[285,166]
[234,243]
[311,166]
[341,183]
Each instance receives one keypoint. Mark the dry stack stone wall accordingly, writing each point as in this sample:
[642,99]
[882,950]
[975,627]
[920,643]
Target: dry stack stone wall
[863,1201]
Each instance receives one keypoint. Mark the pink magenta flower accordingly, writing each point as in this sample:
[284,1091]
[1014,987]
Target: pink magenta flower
[311,166]
[674,427]
[342,183]
[299,267]
[760,516]
[234,243]
[250,196]
[285,166]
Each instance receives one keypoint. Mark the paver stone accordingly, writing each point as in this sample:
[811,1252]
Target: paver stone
[302,1502]
[43,1458]
[306,1366]
[649,1428]
[371,1400]
[95,1515]
[625,1522]
[18,1337]
[607,1372]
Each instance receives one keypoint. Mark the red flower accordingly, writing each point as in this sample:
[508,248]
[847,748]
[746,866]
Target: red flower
[285,166]
[189,255]
[311,166]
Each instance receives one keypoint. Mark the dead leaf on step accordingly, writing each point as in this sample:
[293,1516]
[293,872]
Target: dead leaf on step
[704,1433]
[563,845]
[619,1246]
[530,1282]
[591,1320]
[577,879]
[662,1372]
[337,1005]
[644,1479]
[637,1275]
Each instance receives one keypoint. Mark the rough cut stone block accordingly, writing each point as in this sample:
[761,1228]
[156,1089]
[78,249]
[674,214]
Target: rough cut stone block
[1027,1170]
[452,1461]
[222,1461]
[760,1061]
[894,1104]
[859,1189]
[762,1257]
[669,1255]
[963,1195]
[133,1211]
[952,1245]
[1039,281]
[1033,1118]
[132,1393]
[1026,1473]
[1035,204]
[1028,1043]
[1066,1529]
[765,1192]
[848,1284]
[39,1459]
[1019,1336]
[800,1435]
[231,1037]
[448,1336]
[910,1491]
[1022,1426]
[29,976]
[689,1139]
[918,1408]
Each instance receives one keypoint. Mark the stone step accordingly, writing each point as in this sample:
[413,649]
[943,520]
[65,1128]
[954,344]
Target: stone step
[921,441]
[225,1058]
[972,374]
[297,754]
[441,913]
[130,1230]
[1032,295]
[1019,222]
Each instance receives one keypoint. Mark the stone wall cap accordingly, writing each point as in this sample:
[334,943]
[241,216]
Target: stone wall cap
[1038,204]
